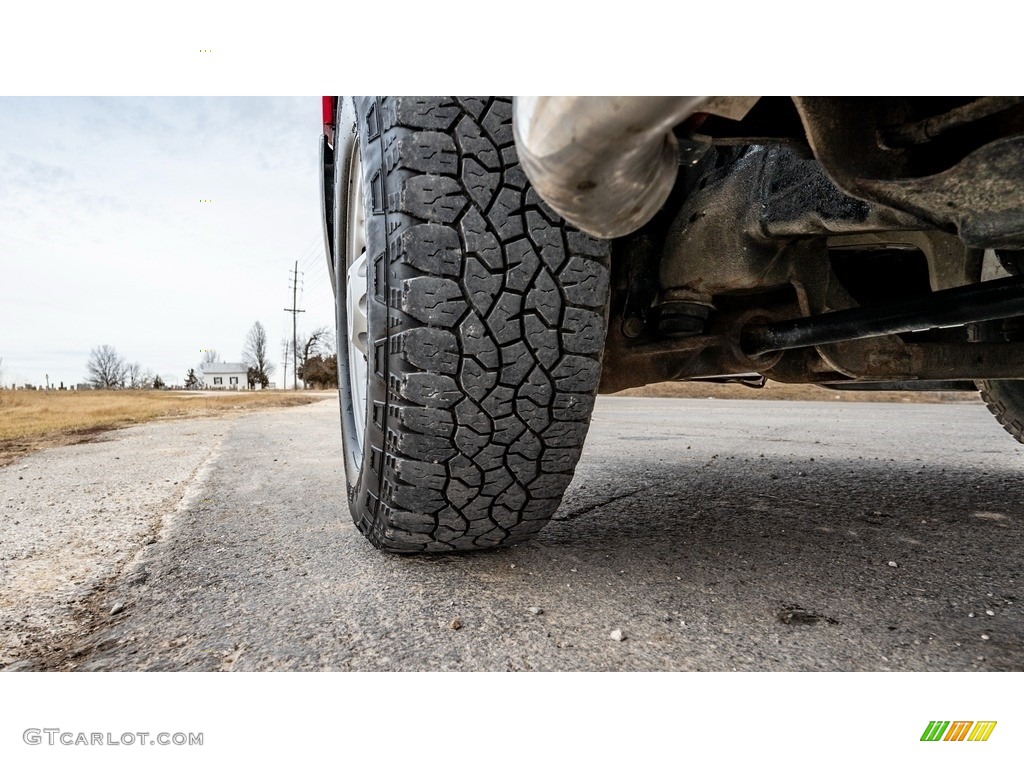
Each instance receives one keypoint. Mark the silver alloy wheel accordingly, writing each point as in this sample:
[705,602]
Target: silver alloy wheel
[355,298]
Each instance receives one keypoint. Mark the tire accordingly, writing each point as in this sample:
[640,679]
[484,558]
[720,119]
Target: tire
[1004,397]
[485,324]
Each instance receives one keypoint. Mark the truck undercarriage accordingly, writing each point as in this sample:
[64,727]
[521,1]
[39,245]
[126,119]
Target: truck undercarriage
[499,263]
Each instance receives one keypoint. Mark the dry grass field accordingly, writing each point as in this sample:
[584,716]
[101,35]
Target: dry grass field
[775,391]
[30,420]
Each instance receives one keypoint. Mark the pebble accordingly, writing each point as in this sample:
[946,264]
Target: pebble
[617,635]
[455,623]
[118,607]
[990,613]
[892,564]
[536,611]
[984,637]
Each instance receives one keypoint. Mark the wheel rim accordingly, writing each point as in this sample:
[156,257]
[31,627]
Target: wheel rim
[355,300]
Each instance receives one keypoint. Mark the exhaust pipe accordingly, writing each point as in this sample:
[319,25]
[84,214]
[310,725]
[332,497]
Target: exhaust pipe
[606,164]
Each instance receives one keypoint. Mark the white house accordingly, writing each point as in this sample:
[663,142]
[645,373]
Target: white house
[225,375]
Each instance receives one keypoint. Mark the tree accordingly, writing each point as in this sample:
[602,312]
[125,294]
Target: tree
[192,381]
[158,383]
[255,355]
[209,356]
[318,342]
[106,368]
[320,371]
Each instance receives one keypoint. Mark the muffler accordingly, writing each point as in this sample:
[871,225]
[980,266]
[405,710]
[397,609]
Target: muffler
[605,163]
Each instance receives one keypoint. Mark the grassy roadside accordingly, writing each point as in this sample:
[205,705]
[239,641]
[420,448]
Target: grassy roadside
[31,420]
[775,391]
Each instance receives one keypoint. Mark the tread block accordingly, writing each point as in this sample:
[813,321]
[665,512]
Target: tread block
[434,249]
[582,331]
[474,105]
[482,286]
[497,122]
[502,319]
[460,494]
[430,389]
[410,521]
[424,501]
[504,516]
[534,416]
[559,460]
[398,539]
[516,363]
[498,402]
[504,214]
[564,434]
[421,474]
[438,199]
[577,374]
[433,300]
[427,152]
[425,112]
[481,184]
[431,349]
[476,380]
[473,143]
[470,442]
[476,343]
[542,340]
[546,299]
[426,421]
[507,429]
[547,238]
[528,446]
[430,448]
[522,265]
[585,282]
[480,241]
[572,406]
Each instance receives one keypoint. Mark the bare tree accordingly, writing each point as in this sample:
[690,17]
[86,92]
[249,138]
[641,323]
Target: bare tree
[210,356]
[255,354]
[106,368]
[319,341]
[133,375]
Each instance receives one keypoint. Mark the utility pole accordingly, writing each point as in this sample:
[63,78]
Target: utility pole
[295,315]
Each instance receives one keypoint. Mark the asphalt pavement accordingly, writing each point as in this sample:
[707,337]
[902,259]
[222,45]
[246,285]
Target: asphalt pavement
[697,535]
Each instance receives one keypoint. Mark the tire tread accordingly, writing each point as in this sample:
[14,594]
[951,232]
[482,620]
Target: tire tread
[496,324]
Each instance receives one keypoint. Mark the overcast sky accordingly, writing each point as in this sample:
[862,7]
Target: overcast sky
[104,240]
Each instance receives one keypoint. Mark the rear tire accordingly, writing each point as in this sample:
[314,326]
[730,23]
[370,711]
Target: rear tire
[1004,397]
[485,325]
